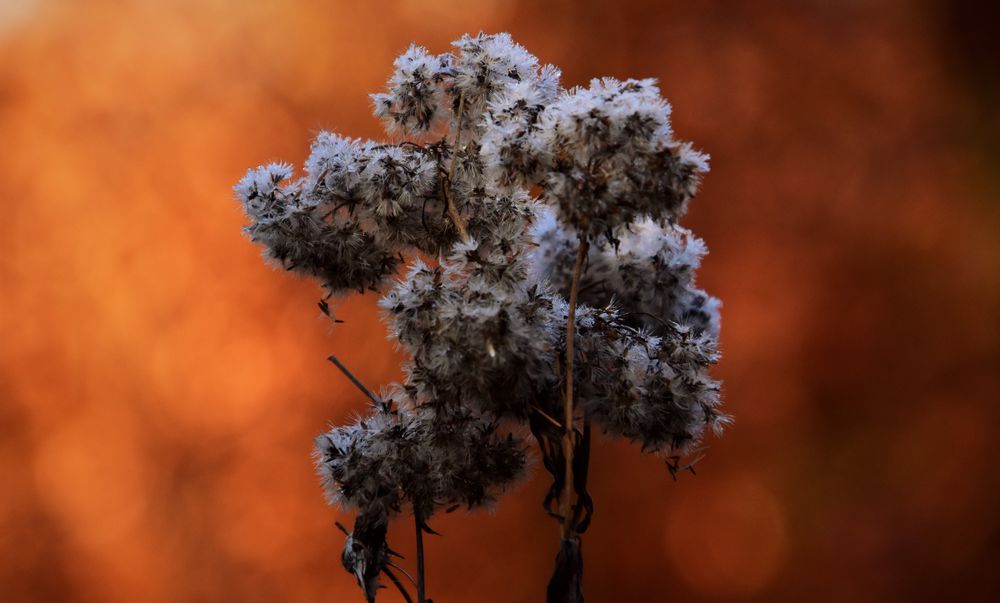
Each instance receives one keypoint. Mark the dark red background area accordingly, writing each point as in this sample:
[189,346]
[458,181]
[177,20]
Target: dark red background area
[160,386]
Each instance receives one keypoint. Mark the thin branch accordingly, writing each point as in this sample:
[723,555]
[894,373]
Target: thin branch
[399,585]
[410,143]
[566,504]
[546,416]
[452,210]
[458,133]
[354,379]
[584,506]
[647,314]
[402,571]
[420,557]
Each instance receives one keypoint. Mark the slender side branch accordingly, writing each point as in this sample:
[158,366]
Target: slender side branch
[452,210]
[566,504]
[546,416]
[354,379]
[421,598]
[401,570]
[399,585]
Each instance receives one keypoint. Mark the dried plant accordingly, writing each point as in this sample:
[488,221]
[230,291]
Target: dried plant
[548,286]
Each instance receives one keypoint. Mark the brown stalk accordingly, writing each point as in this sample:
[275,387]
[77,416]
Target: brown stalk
[566,503]
[399,585]
[418,520]
[452,210]
[354,379]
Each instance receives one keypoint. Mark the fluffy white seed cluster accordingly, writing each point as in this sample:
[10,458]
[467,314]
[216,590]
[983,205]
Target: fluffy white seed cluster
[610,159]
[300,233]
[415,101]
[497,149]
[430,458]
[648,274]
[649,388]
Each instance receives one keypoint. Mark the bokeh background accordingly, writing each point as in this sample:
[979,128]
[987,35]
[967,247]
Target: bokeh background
[160,386]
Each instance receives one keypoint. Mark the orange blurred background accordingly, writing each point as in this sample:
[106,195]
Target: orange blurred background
[160,386]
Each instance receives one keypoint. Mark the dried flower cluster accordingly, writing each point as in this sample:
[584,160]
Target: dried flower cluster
[528,213]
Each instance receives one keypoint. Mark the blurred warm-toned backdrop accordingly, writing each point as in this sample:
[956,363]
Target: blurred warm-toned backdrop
[160,386]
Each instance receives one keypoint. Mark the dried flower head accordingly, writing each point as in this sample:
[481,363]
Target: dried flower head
[414,102]
[514,310]
[610,157]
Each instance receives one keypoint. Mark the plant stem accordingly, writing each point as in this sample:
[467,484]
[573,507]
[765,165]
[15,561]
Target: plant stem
[452,210]
[399,585]
[353,379]
[420,557]
[566,504]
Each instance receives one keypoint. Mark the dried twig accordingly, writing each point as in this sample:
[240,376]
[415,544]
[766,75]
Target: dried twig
[566,504]
[399,585]
[420,558]
[353,379]
[546,416]
[449,198]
